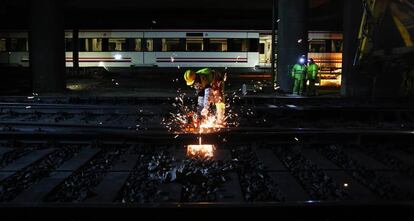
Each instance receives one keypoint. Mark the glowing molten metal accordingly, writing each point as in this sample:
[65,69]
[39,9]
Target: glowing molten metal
[200,150]
[203,150]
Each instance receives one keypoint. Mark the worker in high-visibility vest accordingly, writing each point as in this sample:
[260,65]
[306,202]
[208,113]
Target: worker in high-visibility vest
[299,75]
[311,76]
[209,85]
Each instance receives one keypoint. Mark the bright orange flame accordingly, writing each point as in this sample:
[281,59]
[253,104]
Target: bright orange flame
[185,120]
[210,125]
[201,150]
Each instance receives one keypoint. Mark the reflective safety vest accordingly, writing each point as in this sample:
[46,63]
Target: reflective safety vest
[212,78]
[205,77]
[298,72]
[312,71]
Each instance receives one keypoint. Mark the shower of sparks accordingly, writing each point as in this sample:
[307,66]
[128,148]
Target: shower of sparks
[184,118]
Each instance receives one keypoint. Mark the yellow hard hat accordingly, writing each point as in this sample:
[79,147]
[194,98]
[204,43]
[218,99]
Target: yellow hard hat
[189,77]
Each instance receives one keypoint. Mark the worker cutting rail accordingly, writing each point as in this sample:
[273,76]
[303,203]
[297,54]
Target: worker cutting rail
[209,86]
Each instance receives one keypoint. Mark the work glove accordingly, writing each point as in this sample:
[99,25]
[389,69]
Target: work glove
[204,112]
[207,94]
[220,110]
[200,101]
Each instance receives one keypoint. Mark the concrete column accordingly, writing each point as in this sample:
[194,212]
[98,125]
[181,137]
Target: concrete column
[292,39]
[47,46]
[75,53]
[352,20]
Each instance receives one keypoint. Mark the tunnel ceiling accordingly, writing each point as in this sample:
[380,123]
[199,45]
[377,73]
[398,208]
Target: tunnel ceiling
[161,14]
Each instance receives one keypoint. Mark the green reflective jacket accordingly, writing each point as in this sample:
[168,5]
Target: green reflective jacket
[206,76]
[212,78]
[298,71]
[312,71]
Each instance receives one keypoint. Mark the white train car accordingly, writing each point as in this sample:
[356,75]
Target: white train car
[134,48]
[14,48]
[174,48]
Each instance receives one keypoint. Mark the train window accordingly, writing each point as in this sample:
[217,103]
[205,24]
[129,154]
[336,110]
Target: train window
[3,45]
[253,45]
[218,45]
[237,45]
[157,44]
[262,48]
[317,46]
[117,44]
[206,44]
[18,44]
[68,44]
[138,44]
[129,44]
[90,44]
[171,44]
[105,44]
[149,44]
[194,44]
[96,44]
[82,44]
[337,45]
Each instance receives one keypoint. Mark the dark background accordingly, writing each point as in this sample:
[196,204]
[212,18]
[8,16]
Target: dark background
[163,14]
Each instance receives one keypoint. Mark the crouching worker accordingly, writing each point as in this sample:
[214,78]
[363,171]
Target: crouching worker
[209,85]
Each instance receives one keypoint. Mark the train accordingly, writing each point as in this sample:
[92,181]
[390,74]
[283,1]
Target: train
[134,49]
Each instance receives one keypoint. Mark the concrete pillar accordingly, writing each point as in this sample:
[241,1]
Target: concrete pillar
[75,53]
[292,39]
[351,85]
[47,46]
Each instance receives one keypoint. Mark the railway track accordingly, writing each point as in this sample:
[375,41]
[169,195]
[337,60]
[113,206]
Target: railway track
[282,120]
[129,116]
[149,174]
[109,153]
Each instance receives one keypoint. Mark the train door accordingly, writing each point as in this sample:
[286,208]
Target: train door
[265,49]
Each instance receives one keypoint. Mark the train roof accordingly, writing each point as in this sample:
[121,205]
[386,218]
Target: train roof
[176,32]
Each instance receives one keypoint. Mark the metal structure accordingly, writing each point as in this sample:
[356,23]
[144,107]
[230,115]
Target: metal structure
[374,15]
